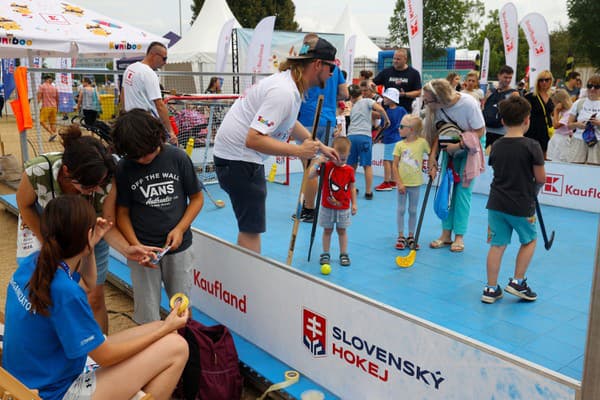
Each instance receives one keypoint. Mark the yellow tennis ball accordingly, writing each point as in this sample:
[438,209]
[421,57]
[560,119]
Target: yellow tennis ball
[325,269]
[183,300]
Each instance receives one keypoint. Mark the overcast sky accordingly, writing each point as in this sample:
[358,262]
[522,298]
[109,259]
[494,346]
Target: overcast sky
[162,16]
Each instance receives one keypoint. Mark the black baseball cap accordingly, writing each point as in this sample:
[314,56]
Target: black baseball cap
[315,48]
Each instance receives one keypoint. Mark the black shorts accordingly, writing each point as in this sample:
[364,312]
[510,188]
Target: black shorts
[246,186]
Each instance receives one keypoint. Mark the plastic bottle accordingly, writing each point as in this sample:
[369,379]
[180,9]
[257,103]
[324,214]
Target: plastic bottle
[189,147]
[272,172]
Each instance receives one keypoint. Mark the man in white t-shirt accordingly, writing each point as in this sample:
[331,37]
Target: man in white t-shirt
[141,87]
[259,124]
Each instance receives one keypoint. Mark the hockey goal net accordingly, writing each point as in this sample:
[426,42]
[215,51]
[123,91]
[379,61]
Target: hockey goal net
[196,120]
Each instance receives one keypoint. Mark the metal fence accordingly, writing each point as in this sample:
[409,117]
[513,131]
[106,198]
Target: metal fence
[40,139]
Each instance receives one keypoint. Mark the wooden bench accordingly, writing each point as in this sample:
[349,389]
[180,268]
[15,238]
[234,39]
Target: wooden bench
[12,389]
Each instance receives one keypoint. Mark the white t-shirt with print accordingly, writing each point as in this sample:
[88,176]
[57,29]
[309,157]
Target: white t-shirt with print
[140,88]
[589,108]
[270,107]
[466,113]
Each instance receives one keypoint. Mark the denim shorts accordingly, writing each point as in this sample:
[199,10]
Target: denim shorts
[246,186]
[361,150]
[501,225]
[330,217]
[388,151]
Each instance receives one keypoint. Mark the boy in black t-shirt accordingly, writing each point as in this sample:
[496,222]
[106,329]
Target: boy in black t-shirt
[158,197]
[518,164]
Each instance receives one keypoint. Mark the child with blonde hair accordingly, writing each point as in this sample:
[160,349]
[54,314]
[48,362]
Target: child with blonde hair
[408,159]
[559,146]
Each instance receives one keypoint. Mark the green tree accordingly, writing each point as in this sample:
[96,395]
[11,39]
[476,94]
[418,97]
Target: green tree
[583,27]
[250,12]
[561,44]
[445,21]
[493,33]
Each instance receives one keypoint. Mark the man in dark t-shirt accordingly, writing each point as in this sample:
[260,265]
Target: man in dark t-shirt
[402,77]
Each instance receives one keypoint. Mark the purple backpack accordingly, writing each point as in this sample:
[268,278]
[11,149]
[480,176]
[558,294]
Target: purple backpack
[212,371]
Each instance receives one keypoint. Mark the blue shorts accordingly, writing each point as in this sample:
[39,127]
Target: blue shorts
[361,150]
[330,217]
[388,151]
[501,225]
[246,186]
[101,254]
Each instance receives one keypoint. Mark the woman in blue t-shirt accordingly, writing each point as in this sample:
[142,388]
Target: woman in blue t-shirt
[50,329]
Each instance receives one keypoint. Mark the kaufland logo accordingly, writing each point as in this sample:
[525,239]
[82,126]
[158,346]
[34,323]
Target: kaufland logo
[554,185]
[314,332]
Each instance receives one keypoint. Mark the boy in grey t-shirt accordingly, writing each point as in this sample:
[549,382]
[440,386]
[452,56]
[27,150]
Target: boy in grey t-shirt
[158,197]
[359,133]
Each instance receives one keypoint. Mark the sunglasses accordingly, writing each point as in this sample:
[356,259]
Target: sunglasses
[404,126]
[164,58]
[590,86]
[545,79]
[425,101]
[331,66]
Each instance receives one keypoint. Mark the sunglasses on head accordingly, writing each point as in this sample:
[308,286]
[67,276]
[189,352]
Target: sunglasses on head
[590,86]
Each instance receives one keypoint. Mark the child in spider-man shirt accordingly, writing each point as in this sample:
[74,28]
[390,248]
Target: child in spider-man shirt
[338,199]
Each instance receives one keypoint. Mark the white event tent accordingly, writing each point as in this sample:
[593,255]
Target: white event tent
[197,49]
[199,43]
[53,28]
[348,25]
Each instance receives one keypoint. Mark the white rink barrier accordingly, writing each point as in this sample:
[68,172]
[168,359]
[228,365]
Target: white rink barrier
[354,346]
[572,186]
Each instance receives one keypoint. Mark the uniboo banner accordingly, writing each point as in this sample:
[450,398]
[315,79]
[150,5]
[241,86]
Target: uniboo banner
[223,46]
[348,63]
[414,22]
[510,36]
[259,49]
[485,63]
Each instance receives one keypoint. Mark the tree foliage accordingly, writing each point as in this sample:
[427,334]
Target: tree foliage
[493,33]
[250,12]
[583,28]
[446,22]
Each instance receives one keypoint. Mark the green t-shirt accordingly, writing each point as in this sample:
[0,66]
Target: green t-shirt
[46,185]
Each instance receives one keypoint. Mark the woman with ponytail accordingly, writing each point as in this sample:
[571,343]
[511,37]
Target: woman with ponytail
[50,329]
[85,168]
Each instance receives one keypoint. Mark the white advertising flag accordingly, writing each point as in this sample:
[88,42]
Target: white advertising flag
[414,23]
[485,62]
[536,31]
[510,36]
[223,45]
[348,63]
[259,50]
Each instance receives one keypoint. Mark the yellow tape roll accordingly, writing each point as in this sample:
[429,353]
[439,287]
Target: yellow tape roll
[291,377]
[184,302]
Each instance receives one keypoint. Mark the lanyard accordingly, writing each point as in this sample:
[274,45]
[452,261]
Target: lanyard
[66,268]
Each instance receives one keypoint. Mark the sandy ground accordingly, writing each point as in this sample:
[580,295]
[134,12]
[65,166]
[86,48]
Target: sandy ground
[120,306]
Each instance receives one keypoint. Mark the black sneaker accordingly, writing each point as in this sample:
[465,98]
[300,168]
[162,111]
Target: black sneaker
[491,295]
[306,215]
[523,291]
[369,196]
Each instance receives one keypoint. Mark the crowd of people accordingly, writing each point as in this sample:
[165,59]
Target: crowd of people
[76,203]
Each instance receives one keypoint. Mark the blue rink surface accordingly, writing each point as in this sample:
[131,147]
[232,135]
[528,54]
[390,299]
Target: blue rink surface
[445,287]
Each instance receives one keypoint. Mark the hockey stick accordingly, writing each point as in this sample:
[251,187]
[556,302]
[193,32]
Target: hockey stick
[217,203]
[303,185]
[409,260]
[547,242]
[318,200]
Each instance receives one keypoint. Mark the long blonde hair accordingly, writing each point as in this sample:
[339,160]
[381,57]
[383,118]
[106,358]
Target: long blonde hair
[562,96]
[297,68]
[444,94]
